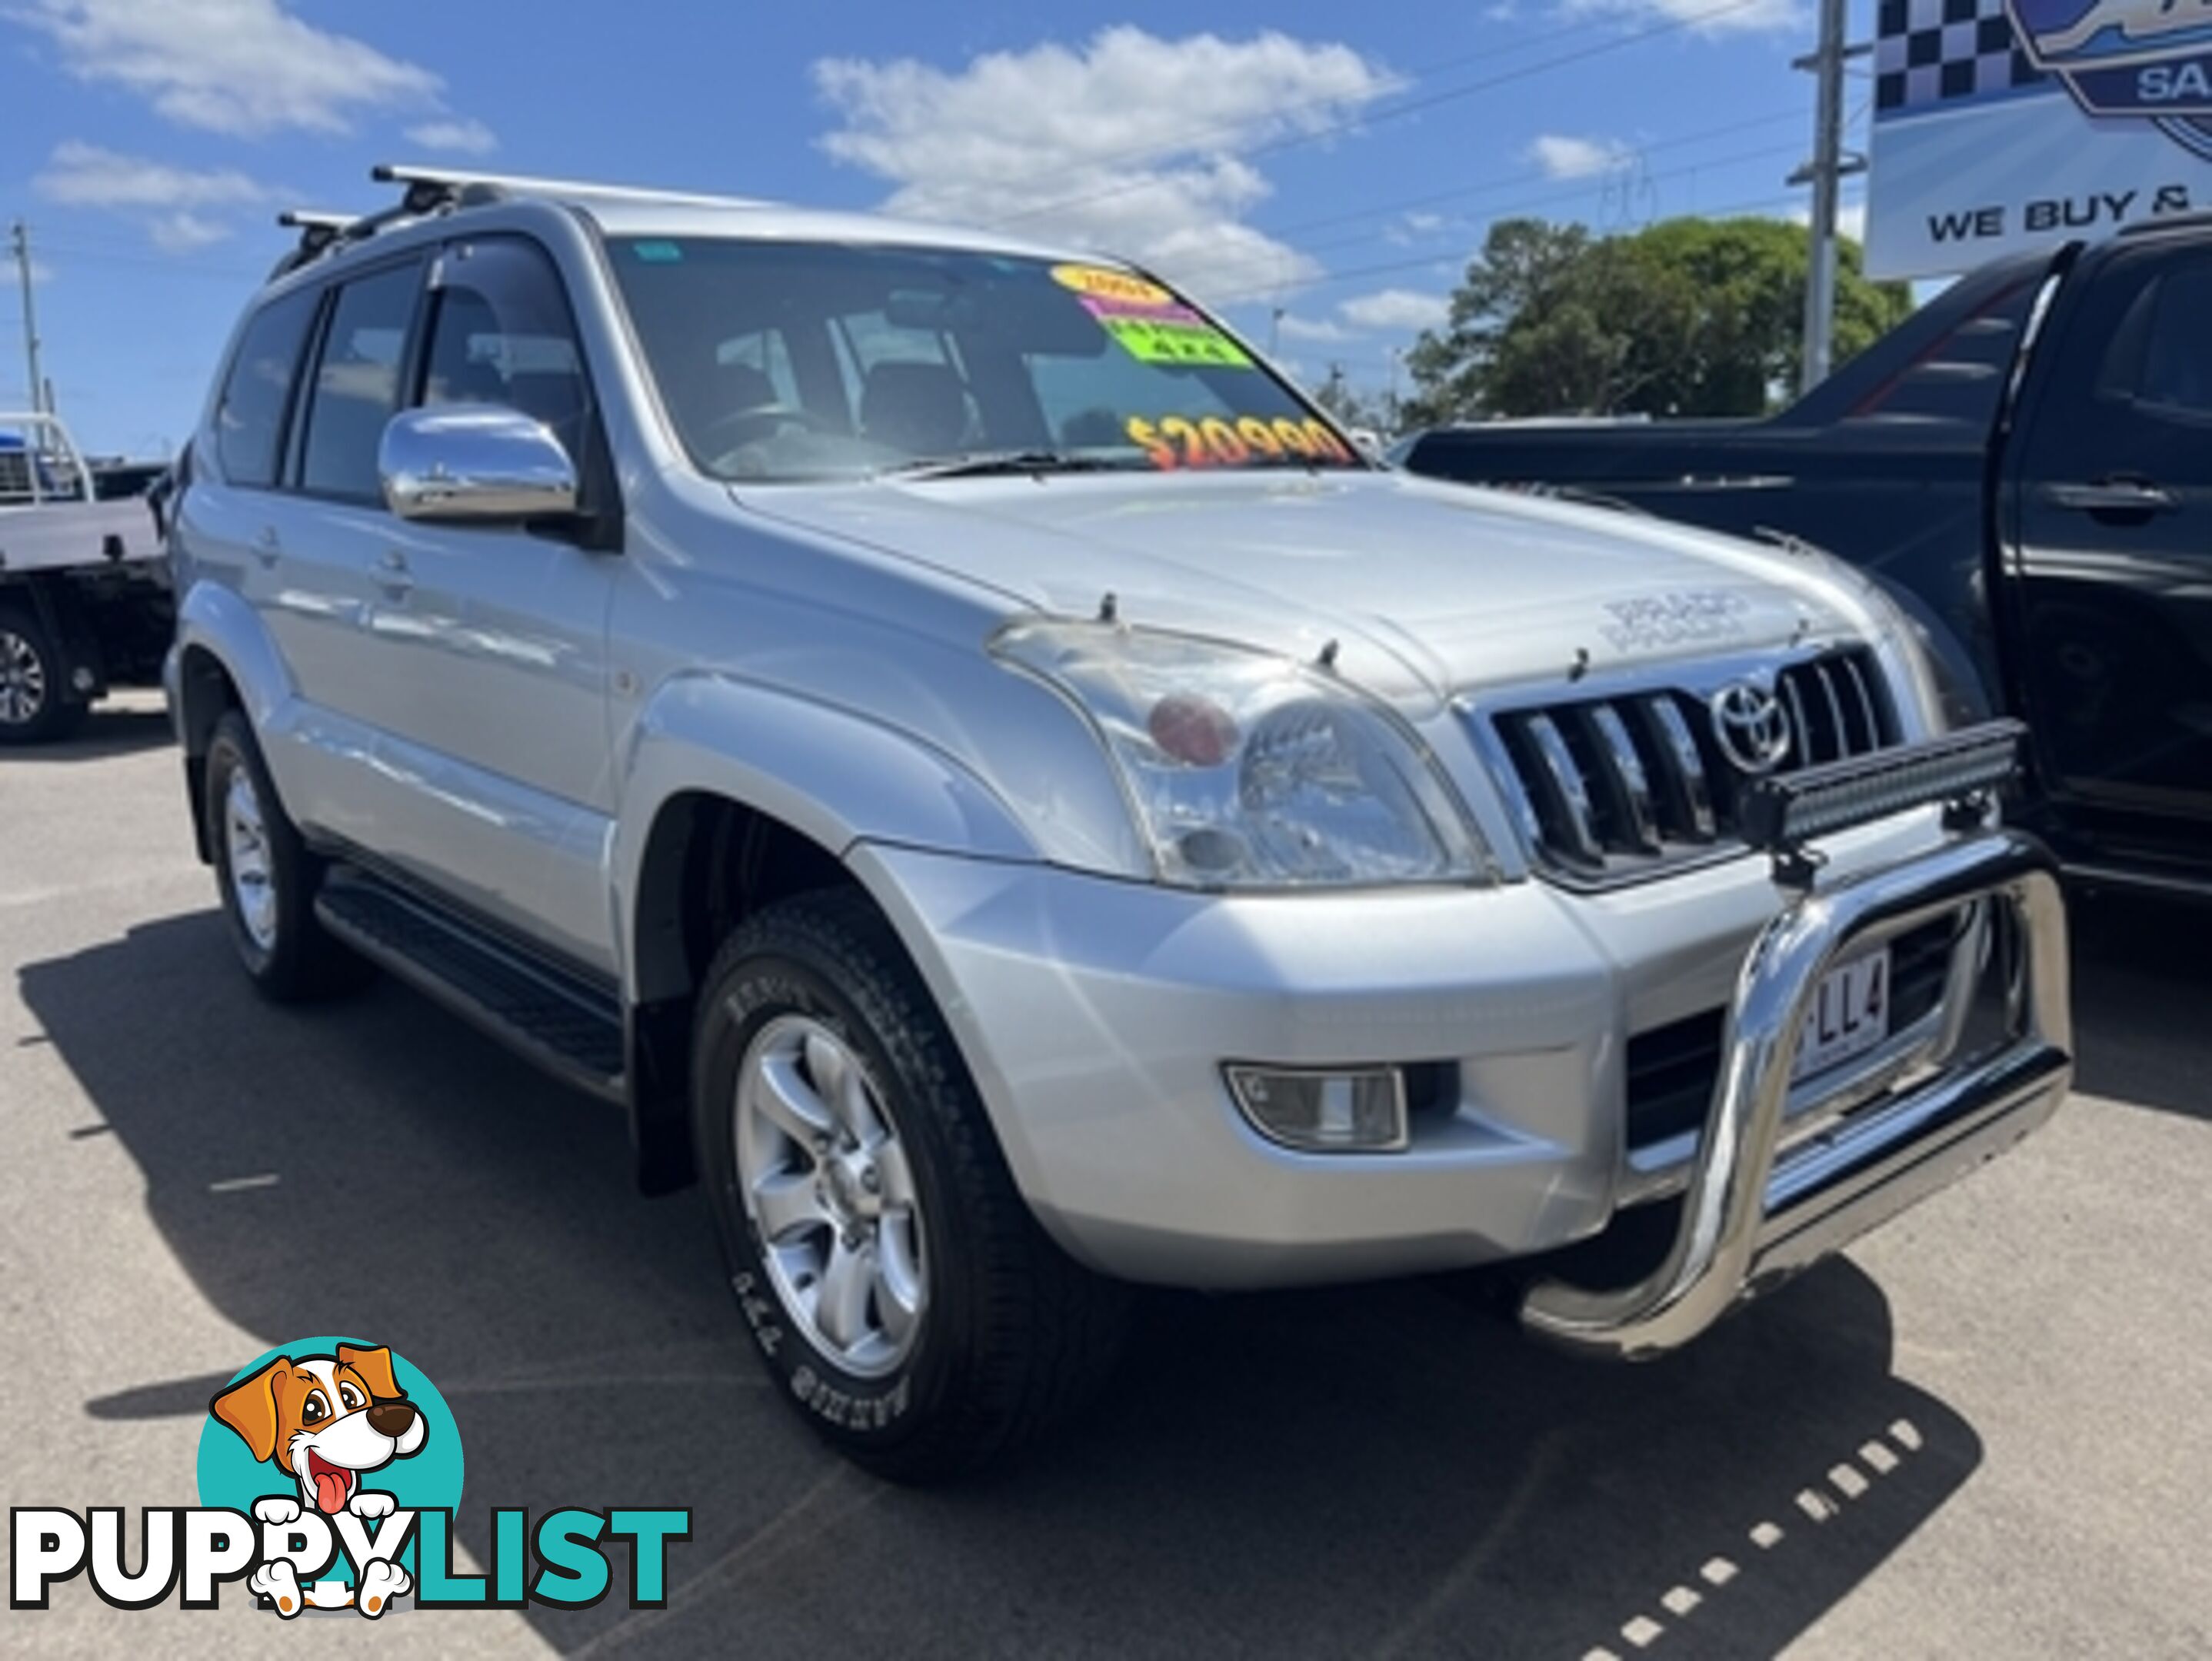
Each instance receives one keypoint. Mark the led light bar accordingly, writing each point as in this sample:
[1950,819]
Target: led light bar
[1780,815]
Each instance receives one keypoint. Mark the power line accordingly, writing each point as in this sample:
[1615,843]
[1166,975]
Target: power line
[1576,187]
[1350,273]
[156,261]
[1194,138]
[1525,175]
[1488,83]
[1543,200]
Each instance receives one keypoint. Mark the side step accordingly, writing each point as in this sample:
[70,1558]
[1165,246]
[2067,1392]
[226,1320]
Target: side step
[569,1027]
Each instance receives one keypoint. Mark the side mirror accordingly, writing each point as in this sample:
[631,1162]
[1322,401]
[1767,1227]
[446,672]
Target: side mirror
[474,462]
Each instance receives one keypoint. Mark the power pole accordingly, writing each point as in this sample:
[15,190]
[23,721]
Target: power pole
[1825,173]
[21,242]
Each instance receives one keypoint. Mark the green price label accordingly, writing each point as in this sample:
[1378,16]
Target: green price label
[1157,341]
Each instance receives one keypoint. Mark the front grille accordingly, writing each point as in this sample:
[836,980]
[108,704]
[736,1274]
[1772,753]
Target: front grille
[1613,788]
[1672,1069]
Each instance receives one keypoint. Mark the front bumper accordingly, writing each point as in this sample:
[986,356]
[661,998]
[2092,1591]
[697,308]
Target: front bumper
[1096,1016]
[1750,1219]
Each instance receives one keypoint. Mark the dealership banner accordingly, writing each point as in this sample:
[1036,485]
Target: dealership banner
[2000,125]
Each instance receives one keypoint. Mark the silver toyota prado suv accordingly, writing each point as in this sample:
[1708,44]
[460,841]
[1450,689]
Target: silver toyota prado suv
[994,783]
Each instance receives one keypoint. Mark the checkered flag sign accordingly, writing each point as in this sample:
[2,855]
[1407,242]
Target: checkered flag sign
[1933,51]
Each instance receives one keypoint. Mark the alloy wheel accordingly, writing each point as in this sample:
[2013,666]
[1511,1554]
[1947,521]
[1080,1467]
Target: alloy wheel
[827,1189]
[22,679]
[245,843]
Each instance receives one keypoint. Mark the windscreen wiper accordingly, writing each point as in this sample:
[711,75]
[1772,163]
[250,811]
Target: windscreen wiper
[984,464]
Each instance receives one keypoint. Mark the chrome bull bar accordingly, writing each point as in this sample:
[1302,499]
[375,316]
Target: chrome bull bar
[1750,1219]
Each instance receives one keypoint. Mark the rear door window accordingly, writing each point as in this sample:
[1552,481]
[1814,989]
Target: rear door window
[356,386]
[249,420]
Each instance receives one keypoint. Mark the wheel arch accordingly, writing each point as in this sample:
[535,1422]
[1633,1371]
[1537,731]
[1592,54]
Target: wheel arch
[223,660]
[737,795]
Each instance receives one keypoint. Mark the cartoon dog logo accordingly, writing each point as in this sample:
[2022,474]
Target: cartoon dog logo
[325,1422]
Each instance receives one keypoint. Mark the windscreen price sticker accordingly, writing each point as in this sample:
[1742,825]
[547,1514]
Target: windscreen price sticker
[1147,322]
[1178,441]
[1174,334]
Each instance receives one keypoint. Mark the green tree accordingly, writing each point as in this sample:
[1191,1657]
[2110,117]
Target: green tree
[1689,316]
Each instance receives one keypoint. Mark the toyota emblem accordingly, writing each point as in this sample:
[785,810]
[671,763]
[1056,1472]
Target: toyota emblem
[1751,726]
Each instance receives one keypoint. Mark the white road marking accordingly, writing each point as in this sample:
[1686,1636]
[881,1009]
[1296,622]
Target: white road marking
[1682,1599]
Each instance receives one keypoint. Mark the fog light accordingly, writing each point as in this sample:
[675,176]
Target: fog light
[1361,1112]
[82,678]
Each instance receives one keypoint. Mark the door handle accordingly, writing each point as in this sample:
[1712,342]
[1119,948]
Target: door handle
[392,575]
[268,547]
[2136,496]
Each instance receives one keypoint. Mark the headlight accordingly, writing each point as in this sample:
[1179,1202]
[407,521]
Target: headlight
[1247,770]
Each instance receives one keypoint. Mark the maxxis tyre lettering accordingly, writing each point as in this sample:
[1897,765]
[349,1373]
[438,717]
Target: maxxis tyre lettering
[1016,1336]
[302,961]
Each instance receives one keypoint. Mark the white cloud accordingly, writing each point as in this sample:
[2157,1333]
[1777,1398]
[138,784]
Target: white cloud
[1561,155]
[80,175]
[181,233]
[1297,328]
[1126,141]
[173,202]
[1407,229]
[1703,17]
[243,67]
[1397,308]
[462,137]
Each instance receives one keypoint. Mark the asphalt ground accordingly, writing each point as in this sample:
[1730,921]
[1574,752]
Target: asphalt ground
[1985,1432]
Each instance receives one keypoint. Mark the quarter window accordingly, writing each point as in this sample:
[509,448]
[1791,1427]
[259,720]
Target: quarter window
[357,384]
[249,419]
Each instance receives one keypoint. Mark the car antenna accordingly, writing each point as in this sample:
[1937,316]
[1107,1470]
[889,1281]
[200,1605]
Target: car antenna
[1109,609]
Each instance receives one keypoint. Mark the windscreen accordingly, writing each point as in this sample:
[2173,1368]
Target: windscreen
[793,361]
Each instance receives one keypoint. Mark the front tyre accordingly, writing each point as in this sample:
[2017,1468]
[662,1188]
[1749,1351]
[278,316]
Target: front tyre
[900,1291]
[267,877]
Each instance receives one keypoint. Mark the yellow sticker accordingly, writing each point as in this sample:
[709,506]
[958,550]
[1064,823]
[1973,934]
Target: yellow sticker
[1099,280]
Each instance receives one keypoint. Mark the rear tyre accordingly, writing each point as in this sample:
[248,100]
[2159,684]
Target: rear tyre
[900,1291]
[35,706]
[267,877]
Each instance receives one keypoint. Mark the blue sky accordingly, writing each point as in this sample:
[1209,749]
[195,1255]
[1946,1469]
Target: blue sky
[1336,162]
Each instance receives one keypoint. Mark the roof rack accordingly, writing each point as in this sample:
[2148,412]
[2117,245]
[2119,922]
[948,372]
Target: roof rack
[432,189]
[320,232]
[432,185]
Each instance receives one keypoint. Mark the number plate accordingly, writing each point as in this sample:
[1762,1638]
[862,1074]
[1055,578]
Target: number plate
[1849,1015]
